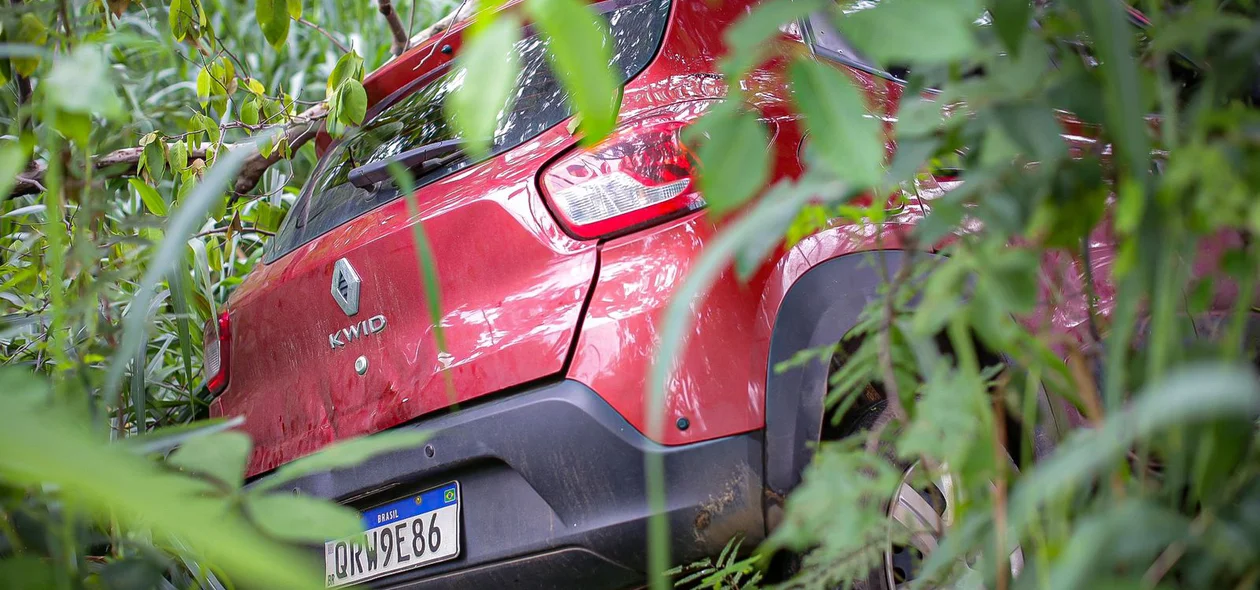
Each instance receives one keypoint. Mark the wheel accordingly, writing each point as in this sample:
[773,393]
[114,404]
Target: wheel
[925,511]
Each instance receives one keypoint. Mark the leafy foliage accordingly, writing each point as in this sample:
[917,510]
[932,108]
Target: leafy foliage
[1143,389]
[124,224]
[130,213]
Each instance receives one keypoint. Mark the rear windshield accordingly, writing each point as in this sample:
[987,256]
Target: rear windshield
[540,102]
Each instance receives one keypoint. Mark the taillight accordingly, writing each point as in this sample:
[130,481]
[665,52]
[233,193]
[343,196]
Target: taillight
[641,174]
[216,347]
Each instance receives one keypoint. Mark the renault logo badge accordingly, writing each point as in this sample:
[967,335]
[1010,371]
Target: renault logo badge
[345,286]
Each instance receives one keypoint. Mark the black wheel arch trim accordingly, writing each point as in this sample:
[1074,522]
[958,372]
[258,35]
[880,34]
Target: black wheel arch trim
[820,308]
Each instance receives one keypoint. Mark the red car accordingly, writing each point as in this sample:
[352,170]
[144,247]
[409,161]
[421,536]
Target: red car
[555,264]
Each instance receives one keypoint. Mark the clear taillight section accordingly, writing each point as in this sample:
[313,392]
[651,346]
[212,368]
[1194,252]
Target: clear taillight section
[641,174]
[216,353]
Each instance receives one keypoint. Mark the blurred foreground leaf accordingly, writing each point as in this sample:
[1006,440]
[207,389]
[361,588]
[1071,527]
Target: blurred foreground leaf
[107,481]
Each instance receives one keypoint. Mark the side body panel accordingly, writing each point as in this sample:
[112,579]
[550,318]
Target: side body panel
[718,387]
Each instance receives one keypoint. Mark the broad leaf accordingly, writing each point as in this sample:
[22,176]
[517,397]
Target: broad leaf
[1123,97]
[734,158]
[747,39]
[1011,19]
[351,102]
[64,452]
[897,32]
[273,18]
[182,17]
[149,196]
[221,455]
[848,139]
[580,49]
[80,83]
[301,519]
[12,161]
[349,67]
[489,67]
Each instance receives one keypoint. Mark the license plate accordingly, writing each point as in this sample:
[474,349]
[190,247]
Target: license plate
[409,533]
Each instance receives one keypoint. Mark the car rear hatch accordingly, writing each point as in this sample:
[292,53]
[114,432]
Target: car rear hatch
[332,337]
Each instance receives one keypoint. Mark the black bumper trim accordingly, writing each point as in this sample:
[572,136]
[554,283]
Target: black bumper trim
[552,481]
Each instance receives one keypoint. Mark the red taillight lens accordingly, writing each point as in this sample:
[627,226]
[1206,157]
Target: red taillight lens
[642,173]
[216,344]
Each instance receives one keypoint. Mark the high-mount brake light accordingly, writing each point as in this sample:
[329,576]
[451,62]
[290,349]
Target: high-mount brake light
[641,174]
[216,343]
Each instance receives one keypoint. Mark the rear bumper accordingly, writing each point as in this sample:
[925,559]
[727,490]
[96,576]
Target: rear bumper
[552,487]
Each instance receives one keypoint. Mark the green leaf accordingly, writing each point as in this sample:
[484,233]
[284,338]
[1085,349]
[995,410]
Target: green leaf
[897,32]
[249,112]
[1124,102]
[273,18]
[139,398]
[1191,395]
[203,86]
[756,249]
[267,217]
[109,483]
[734,159]
[152,200]
[178,156]
[28,571]
[917,116]
[180,289]
[349,67]
[33,31]
[301,519]
[580,49]
[747,40]
[850,141]
[221,455]
[182,15]
[12,162]
[344,454]
[1011,19]
[295,9]
[1034,129]
[80,83]
[255,87]
[204,123]
[154,156]
[490,69]
[351,102]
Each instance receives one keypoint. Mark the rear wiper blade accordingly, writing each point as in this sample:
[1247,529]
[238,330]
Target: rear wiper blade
[418,160]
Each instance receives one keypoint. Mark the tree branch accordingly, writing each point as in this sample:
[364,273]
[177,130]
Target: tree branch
[334,40]
[396,28]
[298,133]
[123,162]
[464,10]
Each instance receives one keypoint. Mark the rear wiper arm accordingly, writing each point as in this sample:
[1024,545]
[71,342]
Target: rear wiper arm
[418,160]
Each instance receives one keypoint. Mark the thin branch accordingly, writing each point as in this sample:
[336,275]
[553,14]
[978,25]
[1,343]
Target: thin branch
[243,230]
[297,134]
[443,25]
[334,40]
[300,130]
[894,410]
[396,29]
